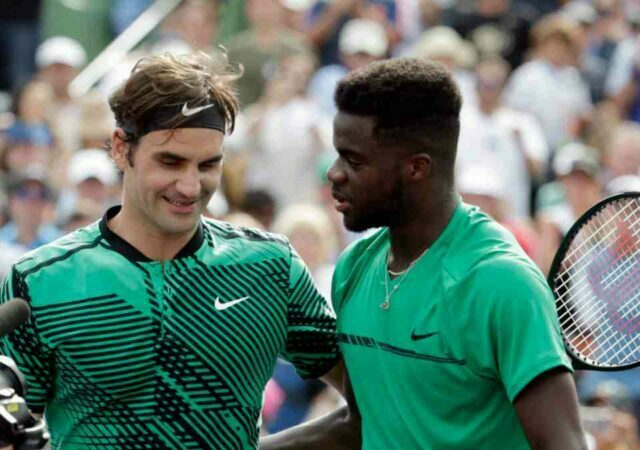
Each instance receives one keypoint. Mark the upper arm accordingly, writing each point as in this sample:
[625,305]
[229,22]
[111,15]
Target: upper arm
[311,342]
[33,358]
[548,411]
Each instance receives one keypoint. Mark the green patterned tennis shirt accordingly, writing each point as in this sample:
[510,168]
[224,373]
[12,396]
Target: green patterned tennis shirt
[125,352]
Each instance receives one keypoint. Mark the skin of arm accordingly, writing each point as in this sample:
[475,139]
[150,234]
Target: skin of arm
[548,411]
[338,430]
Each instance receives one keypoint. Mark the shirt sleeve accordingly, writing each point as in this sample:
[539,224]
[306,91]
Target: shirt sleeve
[521,332]
[33,358]
[311,344]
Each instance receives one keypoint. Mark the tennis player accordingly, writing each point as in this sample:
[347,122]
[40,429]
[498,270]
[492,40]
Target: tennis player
[448,331]
[156,328]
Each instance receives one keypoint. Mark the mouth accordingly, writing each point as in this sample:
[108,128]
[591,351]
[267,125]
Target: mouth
[180,206]
[342,203]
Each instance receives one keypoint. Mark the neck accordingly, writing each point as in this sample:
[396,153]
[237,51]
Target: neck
[152,243]
[410,240]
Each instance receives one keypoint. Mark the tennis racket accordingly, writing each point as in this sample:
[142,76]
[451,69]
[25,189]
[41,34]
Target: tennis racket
[595,278]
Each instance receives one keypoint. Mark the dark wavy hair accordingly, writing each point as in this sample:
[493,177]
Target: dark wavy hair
[415,103]
[162,80]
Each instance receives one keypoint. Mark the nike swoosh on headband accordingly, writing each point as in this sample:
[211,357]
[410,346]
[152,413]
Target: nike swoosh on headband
[186,111]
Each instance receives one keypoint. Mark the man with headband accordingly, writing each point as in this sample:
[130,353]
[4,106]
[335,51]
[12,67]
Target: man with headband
[154,327]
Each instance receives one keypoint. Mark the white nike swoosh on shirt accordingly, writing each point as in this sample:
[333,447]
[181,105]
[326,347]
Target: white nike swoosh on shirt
[186,111]
[222,306]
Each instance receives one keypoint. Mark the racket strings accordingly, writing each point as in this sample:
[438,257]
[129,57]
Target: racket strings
[570,267]
[598,286]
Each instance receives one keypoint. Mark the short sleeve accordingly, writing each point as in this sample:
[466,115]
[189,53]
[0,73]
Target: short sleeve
[522,332]
[23,345]
[311,344]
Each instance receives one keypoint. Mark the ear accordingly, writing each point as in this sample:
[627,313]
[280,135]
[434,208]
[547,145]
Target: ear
[419,167]
[119,149]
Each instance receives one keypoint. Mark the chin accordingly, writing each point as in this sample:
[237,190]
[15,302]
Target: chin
[364,222]
[178,227]
[357,226]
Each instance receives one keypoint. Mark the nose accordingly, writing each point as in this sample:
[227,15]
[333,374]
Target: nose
[335,174]
[189,184]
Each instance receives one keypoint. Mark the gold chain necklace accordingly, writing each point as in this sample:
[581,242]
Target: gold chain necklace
[402,274]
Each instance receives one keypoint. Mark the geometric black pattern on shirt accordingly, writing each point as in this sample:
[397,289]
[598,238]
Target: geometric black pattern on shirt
[181,374]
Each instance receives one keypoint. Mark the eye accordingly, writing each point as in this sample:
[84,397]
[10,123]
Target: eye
[209,165]
[169,162]
[354,163]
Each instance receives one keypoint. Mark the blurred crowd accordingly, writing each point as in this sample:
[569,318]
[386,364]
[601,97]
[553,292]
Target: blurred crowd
[550,126]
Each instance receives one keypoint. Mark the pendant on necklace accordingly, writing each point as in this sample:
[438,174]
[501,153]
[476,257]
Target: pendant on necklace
[385,304]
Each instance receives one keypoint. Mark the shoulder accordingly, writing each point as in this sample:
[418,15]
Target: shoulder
[484,252]
[64,248]
[250,238]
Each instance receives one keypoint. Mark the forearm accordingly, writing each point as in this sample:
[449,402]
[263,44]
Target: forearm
[338,430]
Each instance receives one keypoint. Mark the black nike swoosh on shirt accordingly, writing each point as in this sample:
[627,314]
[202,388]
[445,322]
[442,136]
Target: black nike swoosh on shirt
[417,337]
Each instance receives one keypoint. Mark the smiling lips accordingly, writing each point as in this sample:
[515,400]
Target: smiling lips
[181,206]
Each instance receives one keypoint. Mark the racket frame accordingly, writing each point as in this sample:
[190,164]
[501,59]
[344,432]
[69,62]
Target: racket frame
[578,362]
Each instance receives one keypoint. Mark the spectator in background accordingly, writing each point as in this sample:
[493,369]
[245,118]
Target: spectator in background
[484,186]
[96,120]
[84,213]
[495,29]
[579,187]
[31,105]
[622,156]
[191,26]
[444,45]
[283,135]
[602,36]
[622,85]
[92,177]
[59,59]
[361,41]
[414,17]
[260,205]
[19,36]
[30,202]
[25,147]
[260,47]
[328,18]
[550,85]
[510,141]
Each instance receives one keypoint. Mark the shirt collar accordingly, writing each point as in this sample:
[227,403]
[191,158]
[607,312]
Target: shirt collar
[133,254]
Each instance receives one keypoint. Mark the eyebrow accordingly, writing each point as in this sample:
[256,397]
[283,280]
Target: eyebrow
[178,158]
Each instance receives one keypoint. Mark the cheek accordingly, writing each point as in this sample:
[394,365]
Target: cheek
[211,180]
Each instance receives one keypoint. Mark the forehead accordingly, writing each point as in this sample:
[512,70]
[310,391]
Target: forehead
[188,143]
[350,130]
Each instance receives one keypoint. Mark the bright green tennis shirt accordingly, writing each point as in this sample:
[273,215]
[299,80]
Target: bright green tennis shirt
[122,352]
[471,324]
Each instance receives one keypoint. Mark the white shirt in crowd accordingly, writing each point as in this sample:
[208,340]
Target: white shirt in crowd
[557,96]
[283,155]
[502,141]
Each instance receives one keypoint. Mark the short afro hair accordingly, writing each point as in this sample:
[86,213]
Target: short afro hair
[415,102]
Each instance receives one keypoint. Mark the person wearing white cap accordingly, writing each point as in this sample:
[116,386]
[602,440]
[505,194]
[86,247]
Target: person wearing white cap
[93,177]
[59,59]
[361,42]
